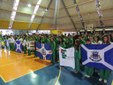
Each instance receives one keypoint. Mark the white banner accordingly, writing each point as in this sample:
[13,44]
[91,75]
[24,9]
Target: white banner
[31,45]
[67,57]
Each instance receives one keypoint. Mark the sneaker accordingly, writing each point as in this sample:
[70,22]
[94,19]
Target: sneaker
[75,71]
[100,79]
[87,76]
[105,81]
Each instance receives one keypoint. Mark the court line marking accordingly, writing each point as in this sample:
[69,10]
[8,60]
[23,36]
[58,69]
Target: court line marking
[5,81]
[21,75]
[18,61]
[27,73]
[59,74]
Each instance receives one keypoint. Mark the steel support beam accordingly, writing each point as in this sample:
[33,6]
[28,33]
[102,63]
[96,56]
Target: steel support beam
[56,12]
[69,15]
[44,14]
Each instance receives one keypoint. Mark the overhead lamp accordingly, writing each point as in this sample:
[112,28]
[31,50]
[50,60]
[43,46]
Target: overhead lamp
[46,10]
[35,10]
[13,14]
[16,3]
[39,2]
[29,5]
[32,18]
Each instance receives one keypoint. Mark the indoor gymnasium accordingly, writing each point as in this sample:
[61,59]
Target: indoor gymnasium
[56,42]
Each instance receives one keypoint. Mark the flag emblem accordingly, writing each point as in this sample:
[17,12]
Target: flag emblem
[43,51]
[63,53]
[95,56]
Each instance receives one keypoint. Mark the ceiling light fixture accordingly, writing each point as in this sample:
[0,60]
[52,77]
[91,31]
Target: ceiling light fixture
[39,2]
[29,5]
[35,11]
[46,10]
[13,14]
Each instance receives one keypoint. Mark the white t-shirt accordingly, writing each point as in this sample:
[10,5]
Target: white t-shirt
[24,42]
[11,40]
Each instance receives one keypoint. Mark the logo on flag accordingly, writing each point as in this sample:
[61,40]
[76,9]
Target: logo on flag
[44,51]
[63,53]
[67,57]
[98,56]
[18,46]
[95,56]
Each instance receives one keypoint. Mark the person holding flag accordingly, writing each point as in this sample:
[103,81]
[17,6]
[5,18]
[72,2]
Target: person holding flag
[53,46]
[82,41]
[43,39]
[97,40]
[24,45]
[104,74]
[7,43]
[77,56]
[36,41]
[88,70]
[11,43]
[0,42]
[28,47]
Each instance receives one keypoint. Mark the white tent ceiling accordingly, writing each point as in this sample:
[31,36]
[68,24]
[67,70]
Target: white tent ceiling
[87,10]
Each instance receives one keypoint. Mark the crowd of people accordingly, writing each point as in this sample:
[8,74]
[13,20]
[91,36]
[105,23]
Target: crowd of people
[65,41]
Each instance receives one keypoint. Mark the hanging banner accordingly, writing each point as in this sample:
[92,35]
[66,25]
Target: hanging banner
[56,32]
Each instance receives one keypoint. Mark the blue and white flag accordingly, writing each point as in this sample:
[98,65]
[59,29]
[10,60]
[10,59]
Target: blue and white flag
[18,46]
[44,51]
[98,56]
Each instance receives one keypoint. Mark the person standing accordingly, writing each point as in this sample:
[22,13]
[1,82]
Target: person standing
[11,43]
[77,56]
[88,70]
[104,74]
[28,45]
[53,46]
[24,45]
